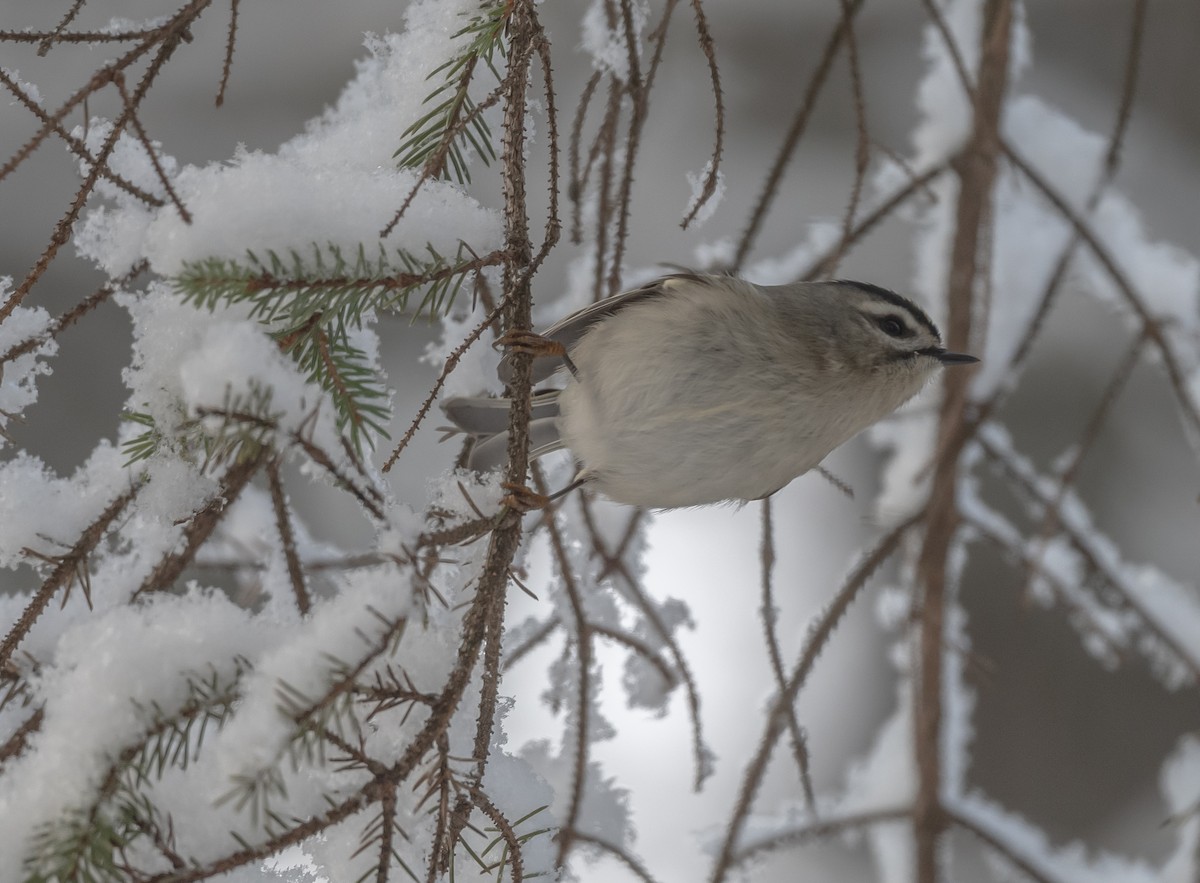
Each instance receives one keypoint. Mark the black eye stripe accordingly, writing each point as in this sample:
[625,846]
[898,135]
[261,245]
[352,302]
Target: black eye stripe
[882,294]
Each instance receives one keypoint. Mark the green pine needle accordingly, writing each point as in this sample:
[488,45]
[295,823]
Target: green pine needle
[437,141]
[311,304]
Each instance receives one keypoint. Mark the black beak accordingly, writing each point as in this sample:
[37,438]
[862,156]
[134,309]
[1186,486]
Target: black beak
[947,358]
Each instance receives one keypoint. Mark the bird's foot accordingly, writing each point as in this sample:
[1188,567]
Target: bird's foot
[518,340]
[523,499]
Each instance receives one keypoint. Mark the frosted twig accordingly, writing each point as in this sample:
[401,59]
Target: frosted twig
[582,637]
[200,526]
[819,632]
[614,563]
[768,613]
[287,537]
[862,136]
[816,830]
[791,139]
[1135,301]
[1086,540]
[1006,850]
[66,569]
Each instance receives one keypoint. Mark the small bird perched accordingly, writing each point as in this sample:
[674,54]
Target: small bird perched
[698,388]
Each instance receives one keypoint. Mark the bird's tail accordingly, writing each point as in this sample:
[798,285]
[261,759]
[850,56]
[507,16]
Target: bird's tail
[485,420]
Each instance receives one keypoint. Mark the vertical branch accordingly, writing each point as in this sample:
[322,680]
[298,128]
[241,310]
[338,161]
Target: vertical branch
[976,169]
[483,624]
[287,538]
[770,614]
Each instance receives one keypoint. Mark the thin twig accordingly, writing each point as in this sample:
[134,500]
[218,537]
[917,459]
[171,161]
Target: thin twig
[287,537]
[791,139]
[769,614]
[819,634]
[230,42]
[66,569]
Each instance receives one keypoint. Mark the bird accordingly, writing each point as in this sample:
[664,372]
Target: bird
[701,388]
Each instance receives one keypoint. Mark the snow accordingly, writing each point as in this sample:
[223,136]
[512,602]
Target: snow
[1071,862]
[18,378]
[109,687]
[605,42]
[66,506]
[334,184]
[696,181]
[109,673]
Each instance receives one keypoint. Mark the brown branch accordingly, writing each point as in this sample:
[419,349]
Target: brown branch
[1036,567]
[819,634]
[606,140]
[20,738]
[75,145]
[447,369]
[76,36]
[614,563]
[583,665]
[298,833]
[435,165]
[227,62]
[862,136]
[818,830]
[483,624]
[507,833]
[635,866]
[577,181]
[976,169]
[1096,559]
[66,20]
[544,631]
[1007,851]
[769,613]
[148,146]
[1137,304]
[641,648]
[73,315]
[1032,331]
[287,538]
[201,525]
[639,95]
[1083,446]
[553,229]
[791,139]
[65,571]
[169,37]
[714,75]
[823,265]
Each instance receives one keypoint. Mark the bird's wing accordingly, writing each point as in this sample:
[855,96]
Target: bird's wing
[570,329]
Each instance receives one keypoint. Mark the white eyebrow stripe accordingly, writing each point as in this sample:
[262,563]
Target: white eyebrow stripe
[882,296]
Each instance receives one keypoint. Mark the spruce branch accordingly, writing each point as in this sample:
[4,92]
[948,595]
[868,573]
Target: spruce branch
[436,142]
[312,303]
[88,843]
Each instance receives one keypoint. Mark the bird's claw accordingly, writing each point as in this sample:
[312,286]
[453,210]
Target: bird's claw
[522,499]
[520,340]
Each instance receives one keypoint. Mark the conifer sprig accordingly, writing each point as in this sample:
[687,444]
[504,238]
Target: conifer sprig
[312,304]
[88,843]
[435,143]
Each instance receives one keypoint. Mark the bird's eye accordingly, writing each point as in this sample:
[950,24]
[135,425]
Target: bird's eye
[893,327]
